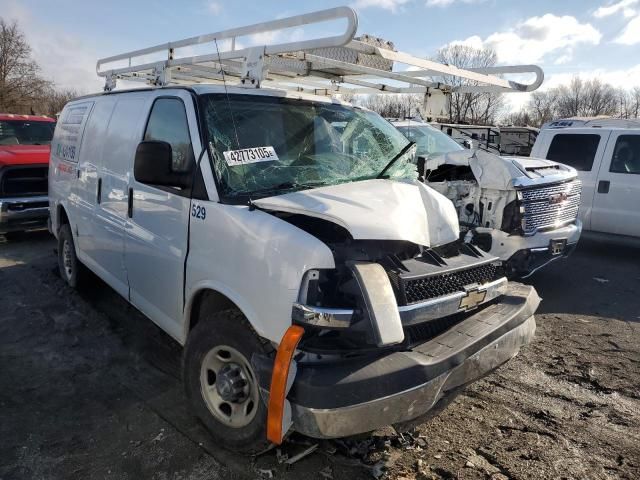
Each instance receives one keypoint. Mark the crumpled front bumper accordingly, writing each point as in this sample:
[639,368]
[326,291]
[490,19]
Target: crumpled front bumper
[23,213]
[362,395]
[524,255]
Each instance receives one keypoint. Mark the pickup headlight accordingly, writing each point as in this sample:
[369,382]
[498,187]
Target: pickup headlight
[512,217]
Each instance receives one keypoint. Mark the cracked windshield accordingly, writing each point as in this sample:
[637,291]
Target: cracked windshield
[270,145]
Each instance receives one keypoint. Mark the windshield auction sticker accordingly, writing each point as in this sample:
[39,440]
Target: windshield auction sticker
[250,155]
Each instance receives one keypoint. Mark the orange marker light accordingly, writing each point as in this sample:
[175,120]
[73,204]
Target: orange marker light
[278,390]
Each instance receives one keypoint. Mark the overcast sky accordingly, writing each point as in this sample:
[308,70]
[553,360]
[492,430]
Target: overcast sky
[592,38]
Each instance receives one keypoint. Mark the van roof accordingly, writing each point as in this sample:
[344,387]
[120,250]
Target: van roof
[204,88]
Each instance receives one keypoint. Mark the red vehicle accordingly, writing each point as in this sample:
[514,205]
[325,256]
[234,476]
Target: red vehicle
[25,143]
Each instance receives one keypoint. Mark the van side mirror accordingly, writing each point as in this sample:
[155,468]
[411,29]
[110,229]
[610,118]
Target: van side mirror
[467,143]
[153,165]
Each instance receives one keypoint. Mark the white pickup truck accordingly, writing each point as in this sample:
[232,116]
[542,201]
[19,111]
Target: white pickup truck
[522,210]
[607,158]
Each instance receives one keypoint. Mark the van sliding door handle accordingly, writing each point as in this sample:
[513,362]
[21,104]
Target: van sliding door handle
[130,204]
[99,192]
[603,186]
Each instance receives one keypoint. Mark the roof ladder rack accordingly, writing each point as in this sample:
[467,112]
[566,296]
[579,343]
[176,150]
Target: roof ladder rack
[325,65]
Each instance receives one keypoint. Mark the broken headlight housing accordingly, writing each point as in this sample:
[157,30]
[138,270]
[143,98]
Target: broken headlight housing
[335,309]
[512,217]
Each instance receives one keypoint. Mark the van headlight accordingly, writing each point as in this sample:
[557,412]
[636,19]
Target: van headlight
[357,298]
[313,307]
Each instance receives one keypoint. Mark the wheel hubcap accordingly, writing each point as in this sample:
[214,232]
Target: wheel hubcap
[66,259]
[228,386]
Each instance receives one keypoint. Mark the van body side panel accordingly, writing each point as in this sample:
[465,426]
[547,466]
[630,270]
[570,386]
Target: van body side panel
[111,214]
[64,161]
[253,258]
[86,185]
[157,238]
[616,208]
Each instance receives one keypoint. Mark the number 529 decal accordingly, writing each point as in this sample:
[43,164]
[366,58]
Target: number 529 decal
[198,211]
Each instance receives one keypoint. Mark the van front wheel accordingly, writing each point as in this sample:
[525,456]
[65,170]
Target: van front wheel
[221,384]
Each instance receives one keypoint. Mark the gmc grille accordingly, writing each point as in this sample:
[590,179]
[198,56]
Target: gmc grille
[24,181]
[551,206]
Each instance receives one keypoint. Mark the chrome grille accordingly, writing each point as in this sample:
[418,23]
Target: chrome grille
[550,206]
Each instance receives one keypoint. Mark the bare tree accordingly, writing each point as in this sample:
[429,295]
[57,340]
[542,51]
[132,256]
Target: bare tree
[543,106]
[586,98]
[520,119]
[475,108]
[582,98]
[20,83]
[53,100]
[629,103]
[392,106]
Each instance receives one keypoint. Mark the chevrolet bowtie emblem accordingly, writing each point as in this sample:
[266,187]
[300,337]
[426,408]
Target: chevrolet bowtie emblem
[472,299]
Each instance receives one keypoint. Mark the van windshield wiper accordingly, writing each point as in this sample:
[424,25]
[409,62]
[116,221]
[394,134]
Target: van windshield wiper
[287,186]
[395,159]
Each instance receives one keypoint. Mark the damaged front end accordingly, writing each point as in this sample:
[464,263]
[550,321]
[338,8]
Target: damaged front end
[394,330]
[524,211]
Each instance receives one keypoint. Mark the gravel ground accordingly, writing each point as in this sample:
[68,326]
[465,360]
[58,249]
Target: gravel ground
[90,389]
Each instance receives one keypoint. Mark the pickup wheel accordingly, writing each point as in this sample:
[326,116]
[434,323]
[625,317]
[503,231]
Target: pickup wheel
[221,384]
[71,270]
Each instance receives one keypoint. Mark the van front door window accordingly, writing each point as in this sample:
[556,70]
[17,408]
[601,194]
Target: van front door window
[168,123]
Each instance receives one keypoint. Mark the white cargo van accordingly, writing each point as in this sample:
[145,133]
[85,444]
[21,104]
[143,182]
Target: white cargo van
[282,238]
[522,210]
[606,154]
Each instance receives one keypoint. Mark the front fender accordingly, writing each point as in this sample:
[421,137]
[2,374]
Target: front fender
[253,258]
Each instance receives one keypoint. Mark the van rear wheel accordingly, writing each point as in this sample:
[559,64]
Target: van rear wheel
[221,384]
[68,263]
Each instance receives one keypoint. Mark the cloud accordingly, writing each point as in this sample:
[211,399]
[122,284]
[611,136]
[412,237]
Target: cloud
[391,5]
[446,3]
[62,57]
[630,35]
[537,37]
[620,78]
[214,7]
[623,6]
[624,78]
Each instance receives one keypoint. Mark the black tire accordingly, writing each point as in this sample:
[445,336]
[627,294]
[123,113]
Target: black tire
[71,270]
[228,328]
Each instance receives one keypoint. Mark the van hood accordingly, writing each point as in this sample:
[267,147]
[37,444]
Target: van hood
[24,154]
[376,209]
[503,173]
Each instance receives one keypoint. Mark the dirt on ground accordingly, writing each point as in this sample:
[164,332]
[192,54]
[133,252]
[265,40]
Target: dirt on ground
[89,388]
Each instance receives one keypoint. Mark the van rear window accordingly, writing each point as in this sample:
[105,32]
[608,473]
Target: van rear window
[576,150]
